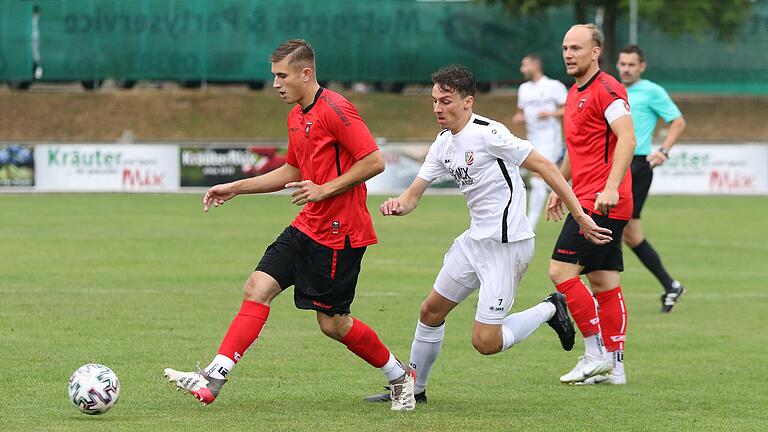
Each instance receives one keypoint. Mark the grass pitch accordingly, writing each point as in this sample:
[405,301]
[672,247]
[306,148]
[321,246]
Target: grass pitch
[143,282]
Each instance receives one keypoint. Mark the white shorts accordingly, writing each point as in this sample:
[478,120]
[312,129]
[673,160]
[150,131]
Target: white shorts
[496,268]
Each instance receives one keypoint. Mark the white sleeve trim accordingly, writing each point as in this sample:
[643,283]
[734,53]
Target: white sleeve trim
[616,109]
[425,177]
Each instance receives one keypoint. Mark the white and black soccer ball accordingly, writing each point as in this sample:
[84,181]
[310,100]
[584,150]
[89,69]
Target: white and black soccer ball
[94,388]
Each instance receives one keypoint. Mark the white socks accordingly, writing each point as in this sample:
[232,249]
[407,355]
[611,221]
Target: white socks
[518,326]
[424,351]
[537,198]
[220,367]
[594,346]
[392,369]
[618,363]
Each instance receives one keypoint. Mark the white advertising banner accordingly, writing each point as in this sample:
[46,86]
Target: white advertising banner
[728,169]
[107,167]
[402,164]
[693,169]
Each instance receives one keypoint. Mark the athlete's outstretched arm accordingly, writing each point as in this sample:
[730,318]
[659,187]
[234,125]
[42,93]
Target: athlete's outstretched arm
[537,163]
[272,181]
[407,201]
[365,168]
[565,167]
[622,157]
[554,207]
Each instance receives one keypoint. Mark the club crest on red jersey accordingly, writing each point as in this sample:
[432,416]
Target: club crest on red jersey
[582,102]
[469,157]
[306,129]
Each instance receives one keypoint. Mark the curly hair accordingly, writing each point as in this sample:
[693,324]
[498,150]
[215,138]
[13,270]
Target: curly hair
[456,78]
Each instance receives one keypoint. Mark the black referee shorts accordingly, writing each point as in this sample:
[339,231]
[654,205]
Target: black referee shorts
[324,279]
[642,176]
[572,247]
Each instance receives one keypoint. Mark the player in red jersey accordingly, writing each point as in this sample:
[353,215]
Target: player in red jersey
[331,153]
[600,141]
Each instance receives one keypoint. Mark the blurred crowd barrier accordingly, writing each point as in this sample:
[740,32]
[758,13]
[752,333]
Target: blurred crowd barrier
[693,169]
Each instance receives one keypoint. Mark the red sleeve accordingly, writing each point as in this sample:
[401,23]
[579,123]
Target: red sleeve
[290,157]
[610,90]
[349,130]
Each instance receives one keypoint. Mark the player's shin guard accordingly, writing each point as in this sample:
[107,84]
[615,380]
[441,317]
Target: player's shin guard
[364,342]
[581,304]
[613,318]
[426,346]
[244,330]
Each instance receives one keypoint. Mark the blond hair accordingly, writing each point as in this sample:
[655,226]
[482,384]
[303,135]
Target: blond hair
[299,51]
[597,35]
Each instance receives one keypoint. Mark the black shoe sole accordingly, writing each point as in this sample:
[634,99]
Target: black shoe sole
[561,322]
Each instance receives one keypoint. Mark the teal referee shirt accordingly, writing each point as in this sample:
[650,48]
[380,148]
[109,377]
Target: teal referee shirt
[647,102]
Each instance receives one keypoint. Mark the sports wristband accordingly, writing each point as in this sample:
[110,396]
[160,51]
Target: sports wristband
[664,151]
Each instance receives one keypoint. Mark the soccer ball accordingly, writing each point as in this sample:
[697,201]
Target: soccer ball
[94,388]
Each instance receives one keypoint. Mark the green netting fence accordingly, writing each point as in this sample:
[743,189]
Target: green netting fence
[374,40]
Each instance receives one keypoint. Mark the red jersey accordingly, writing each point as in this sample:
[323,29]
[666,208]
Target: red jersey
[591,142]
[324,140]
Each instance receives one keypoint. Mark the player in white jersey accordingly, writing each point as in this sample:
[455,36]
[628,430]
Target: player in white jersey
[493,254]
[540,103]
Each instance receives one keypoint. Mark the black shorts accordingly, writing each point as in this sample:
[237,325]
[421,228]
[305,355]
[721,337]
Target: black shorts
[642,176]
[573,247]
[324,278]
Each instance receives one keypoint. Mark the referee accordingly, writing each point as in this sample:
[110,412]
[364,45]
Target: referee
[648,101]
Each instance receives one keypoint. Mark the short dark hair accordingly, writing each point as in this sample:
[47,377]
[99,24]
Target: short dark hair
[298,50]
[456,78]
[633,49]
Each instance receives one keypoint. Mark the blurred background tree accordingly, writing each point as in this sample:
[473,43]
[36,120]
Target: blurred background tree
[674,17]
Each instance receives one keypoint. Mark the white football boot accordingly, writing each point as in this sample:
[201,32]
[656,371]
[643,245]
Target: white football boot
[609,379]
[198,384]
[401,392]
[616,377]
[587,367]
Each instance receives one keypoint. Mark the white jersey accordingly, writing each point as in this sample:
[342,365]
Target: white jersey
[544,95]
[484,159]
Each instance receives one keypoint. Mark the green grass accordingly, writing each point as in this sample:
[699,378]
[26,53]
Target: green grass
[143,282]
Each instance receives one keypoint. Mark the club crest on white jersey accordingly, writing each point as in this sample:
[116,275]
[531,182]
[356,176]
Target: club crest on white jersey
[469,157]
[484,159]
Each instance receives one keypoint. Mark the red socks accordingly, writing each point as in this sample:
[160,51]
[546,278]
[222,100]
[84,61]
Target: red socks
[364,342]
[613,318]
[247,325]
[581,305]
[612,312]
[244,330]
